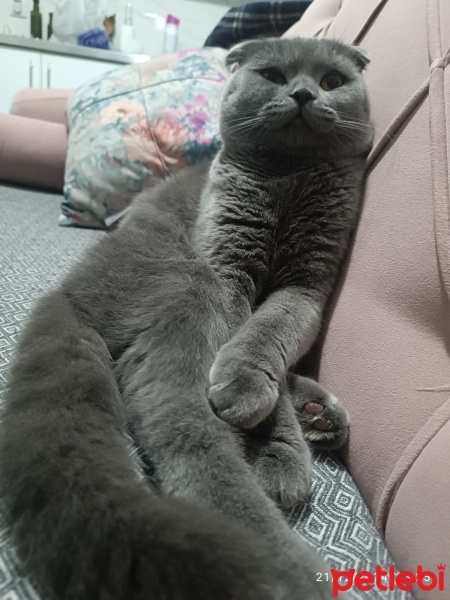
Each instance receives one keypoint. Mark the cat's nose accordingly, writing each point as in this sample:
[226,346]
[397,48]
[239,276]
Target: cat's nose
[302,96]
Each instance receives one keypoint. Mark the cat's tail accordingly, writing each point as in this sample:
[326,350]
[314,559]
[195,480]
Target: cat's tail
[84,523]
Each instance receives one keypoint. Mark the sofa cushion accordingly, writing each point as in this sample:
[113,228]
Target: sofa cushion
[138,124]
[24,159]
[385,348]
[42,103]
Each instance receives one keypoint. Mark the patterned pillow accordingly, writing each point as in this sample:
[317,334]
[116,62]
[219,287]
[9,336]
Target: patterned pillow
[135,125]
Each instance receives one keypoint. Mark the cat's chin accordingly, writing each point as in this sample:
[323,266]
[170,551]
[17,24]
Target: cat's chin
[300,122]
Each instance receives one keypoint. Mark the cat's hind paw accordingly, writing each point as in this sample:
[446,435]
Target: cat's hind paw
[284,474]
[323,419]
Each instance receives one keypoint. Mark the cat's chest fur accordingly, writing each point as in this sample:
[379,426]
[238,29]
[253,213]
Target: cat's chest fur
[278,229]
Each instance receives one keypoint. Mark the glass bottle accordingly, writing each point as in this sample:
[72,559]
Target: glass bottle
[36,21]
[50,26]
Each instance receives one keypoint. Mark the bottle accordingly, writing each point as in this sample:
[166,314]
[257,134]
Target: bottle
[127,43]
[128,19]
[36,21]
[170,42]
[50,26]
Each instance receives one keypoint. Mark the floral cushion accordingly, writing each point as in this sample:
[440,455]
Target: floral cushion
[138,124]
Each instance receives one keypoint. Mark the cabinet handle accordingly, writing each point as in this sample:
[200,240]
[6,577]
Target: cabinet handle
[49,76]
[30,74]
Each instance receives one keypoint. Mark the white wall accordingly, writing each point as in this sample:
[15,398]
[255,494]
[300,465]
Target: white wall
[197,19]
[19,26]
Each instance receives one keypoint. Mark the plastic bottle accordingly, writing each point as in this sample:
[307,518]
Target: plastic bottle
[170,42]
[127,43]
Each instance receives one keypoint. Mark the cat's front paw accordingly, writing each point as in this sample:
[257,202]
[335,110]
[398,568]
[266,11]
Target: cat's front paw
[323,419]
[284,473]
[240,393]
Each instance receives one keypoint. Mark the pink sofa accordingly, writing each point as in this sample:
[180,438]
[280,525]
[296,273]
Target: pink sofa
[33,140]
[386,340]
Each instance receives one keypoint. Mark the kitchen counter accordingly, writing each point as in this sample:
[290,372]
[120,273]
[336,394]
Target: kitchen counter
[70,50]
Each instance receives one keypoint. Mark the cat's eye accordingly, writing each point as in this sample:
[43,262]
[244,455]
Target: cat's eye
[331,81]
[274,75]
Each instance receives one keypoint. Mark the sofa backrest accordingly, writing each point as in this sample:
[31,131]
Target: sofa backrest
[386,339]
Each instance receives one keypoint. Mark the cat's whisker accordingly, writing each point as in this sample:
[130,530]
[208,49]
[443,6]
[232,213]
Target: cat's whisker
[240,120]
[247,125]
[354,125]
[342,134]
[243,119]
[353,119]
[348,133]
[241,130]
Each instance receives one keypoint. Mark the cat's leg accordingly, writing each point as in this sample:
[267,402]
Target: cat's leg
[196,456]
[306,414]
[323,419]
[85,524]
[279,454]
[249,369]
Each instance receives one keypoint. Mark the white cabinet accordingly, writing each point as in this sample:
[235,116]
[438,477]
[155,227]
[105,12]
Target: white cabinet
[28,68]
[67,72]
[18,69]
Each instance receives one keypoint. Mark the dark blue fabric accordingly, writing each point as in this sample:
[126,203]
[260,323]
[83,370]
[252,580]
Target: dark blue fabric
[259,19]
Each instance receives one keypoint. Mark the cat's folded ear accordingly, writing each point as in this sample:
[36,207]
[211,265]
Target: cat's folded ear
[241,53]
[359,57]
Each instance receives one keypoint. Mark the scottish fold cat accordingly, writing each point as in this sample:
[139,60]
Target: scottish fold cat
[178,330]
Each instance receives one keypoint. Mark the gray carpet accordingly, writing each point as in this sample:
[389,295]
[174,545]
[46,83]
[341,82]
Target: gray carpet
[35,253]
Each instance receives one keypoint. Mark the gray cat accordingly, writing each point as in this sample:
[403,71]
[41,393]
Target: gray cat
[180,328]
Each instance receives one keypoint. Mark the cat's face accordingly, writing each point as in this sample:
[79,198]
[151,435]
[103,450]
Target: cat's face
[304,95]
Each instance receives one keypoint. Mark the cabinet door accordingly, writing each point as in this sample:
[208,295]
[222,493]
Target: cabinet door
[70,72]
[18,69]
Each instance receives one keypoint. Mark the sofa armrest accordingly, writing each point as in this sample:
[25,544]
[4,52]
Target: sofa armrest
[44,104]
[25,159]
